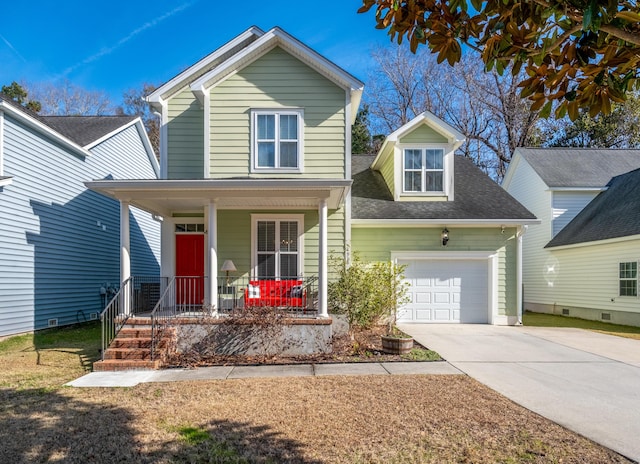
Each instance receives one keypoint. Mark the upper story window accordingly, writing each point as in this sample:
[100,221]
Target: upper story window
[629,278]
[423,170]
[277,141]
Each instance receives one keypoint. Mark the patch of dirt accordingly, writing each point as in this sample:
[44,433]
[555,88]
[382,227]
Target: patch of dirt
[361,345]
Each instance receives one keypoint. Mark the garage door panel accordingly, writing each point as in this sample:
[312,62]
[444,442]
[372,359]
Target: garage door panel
[446,291]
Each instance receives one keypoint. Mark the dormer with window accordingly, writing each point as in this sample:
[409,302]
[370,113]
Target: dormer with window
[417,160]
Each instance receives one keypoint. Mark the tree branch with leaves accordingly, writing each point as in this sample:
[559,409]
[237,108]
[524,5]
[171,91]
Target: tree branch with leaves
[576,54]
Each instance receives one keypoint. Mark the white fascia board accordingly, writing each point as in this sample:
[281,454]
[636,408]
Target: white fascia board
[142,132]
[454,137]
[44,129]
[205,184]
[148,148]
[95,143]
[374,223]
[607,241]
[277,37]
[513,165]
[577,189]
[160,94]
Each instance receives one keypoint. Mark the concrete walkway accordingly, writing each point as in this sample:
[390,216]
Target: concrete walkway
[585,381]
[133,378]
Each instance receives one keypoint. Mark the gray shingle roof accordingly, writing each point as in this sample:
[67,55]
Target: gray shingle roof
[85,129]
[82,130]
[477,197]
[580,167]
[613,213]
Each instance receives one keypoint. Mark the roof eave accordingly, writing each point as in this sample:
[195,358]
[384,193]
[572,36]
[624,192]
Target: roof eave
[161,93]
[508,222]
[43,128]
[277,37]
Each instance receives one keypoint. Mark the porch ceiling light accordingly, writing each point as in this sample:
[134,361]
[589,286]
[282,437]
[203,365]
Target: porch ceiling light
[228,266]
[445,236]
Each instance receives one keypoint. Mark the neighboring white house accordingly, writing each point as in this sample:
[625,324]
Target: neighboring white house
[582,260]
[59,241]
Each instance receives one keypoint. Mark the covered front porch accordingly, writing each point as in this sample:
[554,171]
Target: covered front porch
[232,244]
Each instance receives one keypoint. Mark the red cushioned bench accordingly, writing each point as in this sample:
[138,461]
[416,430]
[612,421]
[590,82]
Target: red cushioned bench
[275,293]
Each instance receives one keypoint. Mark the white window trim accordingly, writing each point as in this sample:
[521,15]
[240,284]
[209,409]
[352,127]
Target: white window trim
[299,112]
[637,279]
[255,218]
[424,171]
[447,175]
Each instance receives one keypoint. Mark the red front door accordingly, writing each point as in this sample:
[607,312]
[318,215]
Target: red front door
[190,269]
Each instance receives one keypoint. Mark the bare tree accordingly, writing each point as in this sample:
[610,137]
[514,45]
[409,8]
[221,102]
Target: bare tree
[68,99]
[134,104]
[485,107]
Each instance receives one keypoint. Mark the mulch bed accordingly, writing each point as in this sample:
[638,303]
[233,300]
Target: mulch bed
[360,346]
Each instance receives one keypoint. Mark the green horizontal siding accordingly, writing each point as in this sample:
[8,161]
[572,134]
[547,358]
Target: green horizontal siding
[376,244]
[423,134]
[234,237]
[185,137]
[387,172]
[277,80]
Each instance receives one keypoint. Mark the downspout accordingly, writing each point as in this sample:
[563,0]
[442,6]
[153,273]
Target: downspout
[521,230]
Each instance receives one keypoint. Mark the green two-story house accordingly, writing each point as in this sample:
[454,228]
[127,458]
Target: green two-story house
[259,186]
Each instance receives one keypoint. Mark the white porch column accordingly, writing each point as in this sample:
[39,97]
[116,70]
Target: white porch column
[519,297]
[212,250]
[322,260]
[125,251]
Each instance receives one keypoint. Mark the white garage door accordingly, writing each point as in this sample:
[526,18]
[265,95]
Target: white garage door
[446,291]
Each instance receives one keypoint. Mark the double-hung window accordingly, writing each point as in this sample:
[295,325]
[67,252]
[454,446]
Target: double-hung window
[628,278]
[277,245]
[423,170]
[277,140]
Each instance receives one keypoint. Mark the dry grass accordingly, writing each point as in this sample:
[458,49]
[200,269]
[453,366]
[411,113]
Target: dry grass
[366,419]
[552,320]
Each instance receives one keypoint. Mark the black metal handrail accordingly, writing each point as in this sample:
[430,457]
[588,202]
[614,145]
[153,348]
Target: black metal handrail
[137,295]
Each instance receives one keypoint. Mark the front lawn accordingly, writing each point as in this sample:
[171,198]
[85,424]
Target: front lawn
[552,320]
[342,419]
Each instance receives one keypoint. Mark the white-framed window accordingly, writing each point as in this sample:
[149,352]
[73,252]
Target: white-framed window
[628,278]
[423,170]
[277,246]
[277,140]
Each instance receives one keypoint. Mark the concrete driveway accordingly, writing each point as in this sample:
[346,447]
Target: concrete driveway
[585,381]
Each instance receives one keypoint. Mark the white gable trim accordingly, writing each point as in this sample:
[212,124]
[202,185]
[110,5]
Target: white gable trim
[606,241]
[454,137]
[513,165]
[142,132]
[165,90]
[43,129]
[277,37]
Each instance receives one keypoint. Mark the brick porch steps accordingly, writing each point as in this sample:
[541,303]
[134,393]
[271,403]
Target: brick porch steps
[131,349]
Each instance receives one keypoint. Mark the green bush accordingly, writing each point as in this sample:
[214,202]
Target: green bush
[367,293]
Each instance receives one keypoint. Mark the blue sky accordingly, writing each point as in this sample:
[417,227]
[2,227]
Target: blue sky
[118,45]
